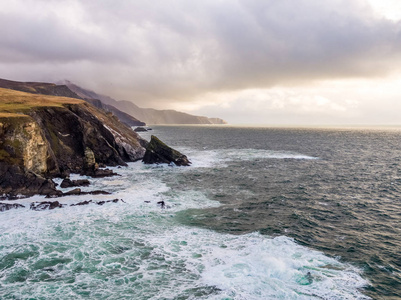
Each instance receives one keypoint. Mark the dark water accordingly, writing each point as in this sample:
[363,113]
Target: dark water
[346,203]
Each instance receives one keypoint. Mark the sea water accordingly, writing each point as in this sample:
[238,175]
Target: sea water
[260,214]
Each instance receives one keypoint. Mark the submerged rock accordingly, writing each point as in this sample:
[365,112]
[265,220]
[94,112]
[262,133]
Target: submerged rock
[158,152]
[8,206]
[45,205]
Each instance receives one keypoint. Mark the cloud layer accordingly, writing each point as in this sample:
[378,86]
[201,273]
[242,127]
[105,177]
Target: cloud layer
[153,51]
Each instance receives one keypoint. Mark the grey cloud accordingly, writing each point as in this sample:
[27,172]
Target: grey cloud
[150,51]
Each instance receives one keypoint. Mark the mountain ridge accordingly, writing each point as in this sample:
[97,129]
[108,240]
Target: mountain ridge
[147,115]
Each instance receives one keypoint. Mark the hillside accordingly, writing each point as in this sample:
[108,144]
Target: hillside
[147,115]
[64,91]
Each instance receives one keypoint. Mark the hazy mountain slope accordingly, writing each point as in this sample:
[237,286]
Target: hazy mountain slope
[147,115]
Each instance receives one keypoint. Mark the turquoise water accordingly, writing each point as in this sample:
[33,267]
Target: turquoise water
[231,229]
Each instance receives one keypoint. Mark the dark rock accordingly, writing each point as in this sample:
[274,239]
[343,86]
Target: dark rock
[309,277]
[7,206]
[98,173]
[82,203]
[149,128]
[76,191]
[54,194]
[14,180]
[97,192]
[158,152]
[98,203]
[45,205]
[162,204]
[140,129]
[65,173]
[73,183]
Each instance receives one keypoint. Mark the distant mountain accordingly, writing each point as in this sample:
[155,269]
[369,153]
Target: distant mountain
[64,91]
[147,115]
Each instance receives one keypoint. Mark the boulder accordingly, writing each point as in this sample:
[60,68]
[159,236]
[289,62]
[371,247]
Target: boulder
[98,173]
[66,183]
[158,152]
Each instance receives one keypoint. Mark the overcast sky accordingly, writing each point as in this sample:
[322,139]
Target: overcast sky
[305,62]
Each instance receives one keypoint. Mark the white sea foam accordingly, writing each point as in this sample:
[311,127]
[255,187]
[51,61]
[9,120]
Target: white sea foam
[221,157]
[136,250]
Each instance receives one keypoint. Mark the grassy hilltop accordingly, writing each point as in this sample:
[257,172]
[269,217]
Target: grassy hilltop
[16,103]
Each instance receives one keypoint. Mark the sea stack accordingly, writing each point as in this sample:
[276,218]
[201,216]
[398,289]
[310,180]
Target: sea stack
[158,152]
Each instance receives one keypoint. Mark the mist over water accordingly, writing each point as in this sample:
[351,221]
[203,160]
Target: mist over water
[260,214]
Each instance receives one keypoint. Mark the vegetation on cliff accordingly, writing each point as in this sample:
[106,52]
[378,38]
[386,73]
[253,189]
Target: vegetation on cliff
[52,89]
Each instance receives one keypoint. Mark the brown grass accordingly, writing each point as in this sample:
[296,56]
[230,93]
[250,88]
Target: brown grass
[13,103]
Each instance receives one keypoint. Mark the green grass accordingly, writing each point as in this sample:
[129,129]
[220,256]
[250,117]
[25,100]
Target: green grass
[16,103]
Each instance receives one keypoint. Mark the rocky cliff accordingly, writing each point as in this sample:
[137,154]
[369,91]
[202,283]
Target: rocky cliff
[46,136]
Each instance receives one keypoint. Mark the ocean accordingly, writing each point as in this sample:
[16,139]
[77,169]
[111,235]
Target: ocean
[262,213]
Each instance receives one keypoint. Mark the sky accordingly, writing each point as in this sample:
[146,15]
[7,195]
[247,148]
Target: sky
[273,62]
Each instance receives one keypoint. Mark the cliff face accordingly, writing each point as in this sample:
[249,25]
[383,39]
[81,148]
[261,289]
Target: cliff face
[24,155]
[42,137]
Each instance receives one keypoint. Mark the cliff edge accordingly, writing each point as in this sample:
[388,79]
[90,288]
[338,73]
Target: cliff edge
[46,136]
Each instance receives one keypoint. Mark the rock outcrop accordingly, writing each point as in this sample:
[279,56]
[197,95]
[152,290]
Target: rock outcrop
[158,152]
[44,136]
